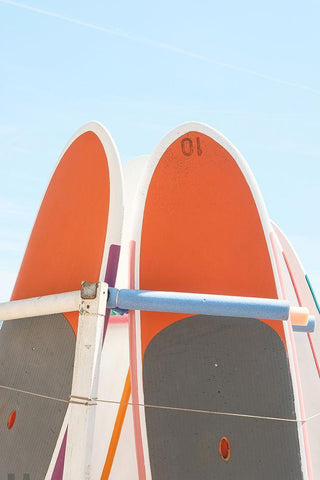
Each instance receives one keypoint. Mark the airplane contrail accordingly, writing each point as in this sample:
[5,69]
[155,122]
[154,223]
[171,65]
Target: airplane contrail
[111,30]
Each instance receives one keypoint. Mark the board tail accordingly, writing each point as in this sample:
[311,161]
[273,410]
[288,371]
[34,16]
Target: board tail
[202,226]
[76,237]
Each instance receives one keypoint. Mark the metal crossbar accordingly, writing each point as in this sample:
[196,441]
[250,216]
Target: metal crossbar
[206,304]
[147,300]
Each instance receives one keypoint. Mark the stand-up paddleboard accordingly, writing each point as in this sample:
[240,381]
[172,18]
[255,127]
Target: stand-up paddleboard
[76,237]
[302,285]
[299,291]
[114,455]
[220,393]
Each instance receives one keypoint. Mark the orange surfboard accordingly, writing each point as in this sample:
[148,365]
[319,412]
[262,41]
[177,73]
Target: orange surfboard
[214,397]
[76,237]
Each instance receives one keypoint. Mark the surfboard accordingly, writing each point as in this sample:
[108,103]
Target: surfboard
[214,397]
[76,237]
[301,282]
[298,290]
[114,456]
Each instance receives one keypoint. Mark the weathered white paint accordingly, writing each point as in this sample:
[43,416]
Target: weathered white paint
[37,306]
[78,461]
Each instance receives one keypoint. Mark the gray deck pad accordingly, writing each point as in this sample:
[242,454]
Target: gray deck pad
[225,365]
[36,355]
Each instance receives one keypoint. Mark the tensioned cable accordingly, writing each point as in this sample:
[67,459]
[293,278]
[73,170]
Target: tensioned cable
[111,30]
[212,412]
[17,390]
[162,407]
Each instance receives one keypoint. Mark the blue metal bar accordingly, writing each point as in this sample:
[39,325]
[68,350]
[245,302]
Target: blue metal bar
[196,303]
[309,328]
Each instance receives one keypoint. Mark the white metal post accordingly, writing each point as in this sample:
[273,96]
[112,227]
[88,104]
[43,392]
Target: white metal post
[85,381]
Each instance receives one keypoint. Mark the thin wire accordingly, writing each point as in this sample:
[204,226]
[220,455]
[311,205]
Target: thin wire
[34,394]
[212,412]
[162,407]
[111,30]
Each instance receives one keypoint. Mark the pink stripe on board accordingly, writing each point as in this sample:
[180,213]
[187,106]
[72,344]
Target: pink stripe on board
[119,319]
[296,365]
[275,251]
[314,353]
[133,369]
[300,303]
[58,469]
[292,279]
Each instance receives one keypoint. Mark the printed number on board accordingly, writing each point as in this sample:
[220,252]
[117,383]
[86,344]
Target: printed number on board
[188,147]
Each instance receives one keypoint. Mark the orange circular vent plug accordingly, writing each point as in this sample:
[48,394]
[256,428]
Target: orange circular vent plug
[12,419]
[224,449]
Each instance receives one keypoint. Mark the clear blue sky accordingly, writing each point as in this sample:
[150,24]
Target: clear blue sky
[249,69]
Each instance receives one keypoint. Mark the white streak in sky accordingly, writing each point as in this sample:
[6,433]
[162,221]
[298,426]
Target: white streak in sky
[160,45]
